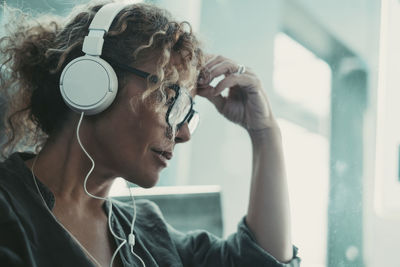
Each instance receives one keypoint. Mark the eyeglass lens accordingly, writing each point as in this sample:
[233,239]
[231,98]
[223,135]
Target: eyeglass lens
[182,112]
[193,122]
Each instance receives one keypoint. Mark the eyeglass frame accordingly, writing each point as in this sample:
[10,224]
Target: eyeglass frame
[188,116]
[154,79]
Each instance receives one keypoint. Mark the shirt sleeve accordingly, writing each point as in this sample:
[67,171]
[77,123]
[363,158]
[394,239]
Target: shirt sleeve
[200,248]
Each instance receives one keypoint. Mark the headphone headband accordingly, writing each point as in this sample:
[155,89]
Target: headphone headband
[93,43]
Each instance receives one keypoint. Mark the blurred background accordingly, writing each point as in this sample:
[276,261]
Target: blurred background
[331,71]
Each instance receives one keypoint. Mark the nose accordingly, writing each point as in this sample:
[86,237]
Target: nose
[183,134]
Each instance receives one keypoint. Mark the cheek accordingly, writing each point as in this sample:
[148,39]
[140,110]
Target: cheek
[135,122]
[133,106]
[142,122]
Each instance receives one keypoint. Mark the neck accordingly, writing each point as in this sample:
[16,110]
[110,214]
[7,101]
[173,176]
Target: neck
[63,166]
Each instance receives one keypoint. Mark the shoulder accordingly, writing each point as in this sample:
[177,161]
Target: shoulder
[7,209]
[8,180]
[146,210]
[7,171]
[14,177]
[149,208]
[13,170]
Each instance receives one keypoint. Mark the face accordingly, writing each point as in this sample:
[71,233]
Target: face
[131,139]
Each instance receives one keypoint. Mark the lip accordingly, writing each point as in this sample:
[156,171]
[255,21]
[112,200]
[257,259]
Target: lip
[162,155]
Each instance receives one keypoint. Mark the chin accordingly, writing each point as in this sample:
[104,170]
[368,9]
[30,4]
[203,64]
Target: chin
[148,184]
[146,181]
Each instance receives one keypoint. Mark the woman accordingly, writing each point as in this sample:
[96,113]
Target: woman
[53,205]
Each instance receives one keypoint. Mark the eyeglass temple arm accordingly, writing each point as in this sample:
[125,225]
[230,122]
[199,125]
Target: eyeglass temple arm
[140,73]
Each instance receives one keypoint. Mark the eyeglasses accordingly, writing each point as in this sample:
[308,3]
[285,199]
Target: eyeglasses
[180,110]
[180,107]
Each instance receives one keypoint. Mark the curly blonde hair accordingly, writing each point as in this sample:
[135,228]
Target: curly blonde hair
[35,50]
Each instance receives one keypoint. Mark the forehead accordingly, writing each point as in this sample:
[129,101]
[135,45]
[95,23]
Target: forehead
[180,75]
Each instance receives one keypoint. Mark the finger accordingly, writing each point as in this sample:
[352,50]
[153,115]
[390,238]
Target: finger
[234,80]
[204,75]
[214,60]
[209,58]
[228,82]
[206,91]
[223,67]
[218,101]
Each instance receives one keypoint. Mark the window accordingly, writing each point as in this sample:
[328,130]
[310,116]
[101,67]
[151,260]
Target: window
[302,82]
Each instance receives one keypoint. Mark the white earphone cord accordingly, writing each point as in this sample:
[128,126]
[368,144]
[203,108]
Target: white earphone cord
[131,237]
[54,217]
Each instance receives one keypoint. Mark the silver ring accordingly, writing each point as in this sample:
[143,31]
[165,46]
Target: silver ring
[241,69]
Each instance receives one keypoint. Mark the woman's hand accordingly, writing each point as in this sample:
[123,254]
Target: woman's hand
[268,215]
[246,103]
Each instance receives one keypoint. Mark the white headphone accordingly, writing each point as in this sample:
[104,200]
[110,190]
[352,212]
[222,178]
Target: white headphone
[88,86]
[88,83]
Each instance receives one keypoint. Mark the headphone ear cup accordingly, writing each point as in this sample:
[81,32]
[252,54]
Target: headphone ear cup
[88,84]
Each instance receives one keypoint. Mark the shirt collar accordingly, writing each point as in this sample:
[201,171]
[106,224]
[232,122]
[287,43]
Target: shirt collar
[18,159]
